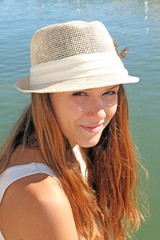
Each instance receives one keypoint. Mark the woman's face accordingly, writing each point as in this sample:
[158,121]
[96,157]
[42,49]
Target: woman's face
[83,115]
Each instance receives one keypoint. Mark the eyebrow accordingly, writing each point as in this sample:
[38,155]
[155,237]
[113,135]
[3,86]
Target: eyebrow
[107,87]
[113,87]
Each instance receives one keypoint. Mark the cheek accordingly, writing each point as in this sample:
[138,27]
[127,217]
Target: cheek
[111,105]
[67,114]
[113,109]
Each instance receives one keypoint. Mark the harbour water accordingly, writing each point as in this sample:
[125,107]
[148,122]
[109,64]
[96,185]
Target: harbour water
[132,23]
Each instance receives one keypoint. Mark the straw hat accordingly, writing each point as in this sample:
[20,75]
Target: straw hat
[73,56]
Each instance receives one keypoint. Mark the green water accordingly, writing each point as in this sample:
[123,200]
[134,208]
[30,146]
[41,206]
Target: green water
[133,23]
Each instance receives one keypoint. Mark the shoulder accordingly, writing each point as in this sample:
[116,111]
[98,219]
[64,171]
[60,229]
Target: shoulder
[23,155]
[38,208]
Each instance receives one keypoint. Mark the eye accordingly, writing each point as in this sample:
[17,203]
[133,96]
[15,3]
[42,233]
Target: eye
[78,94]
[110,93]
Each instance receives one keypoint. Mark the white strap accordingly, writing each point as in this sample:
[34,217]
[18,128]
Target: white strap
[81,161]
[14,173]
[1,236]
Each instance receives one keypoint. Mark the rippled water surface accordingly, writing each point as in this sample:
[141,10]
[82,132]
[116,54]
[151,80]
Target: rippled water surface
[133,23]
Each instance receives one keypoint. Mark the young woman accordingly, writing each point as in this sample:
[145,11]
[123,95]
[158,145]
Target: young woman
[68,170]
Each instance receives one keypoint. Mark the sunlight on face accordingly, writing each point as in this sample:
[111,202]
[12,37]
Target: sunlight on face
[83,115]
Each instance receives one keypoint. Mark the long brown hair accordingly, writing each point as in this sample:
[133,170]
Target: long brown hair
[104,207]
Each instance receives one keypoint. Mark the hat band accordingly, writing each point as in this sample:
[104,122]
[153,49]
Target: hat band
[77,66]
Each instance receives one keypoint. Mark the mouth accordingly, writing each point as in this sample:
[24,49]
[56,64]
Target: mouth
[92,129]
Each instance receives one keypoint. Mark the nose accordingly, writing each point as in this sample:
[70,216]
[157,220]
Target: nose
[96,110]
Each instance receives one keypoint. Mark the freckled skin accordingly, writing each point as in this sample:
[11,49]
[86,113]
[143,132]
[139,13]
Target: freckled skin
[83,115]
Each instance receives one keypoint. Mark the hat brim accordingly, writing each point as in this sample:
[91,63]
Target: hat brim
[75,84]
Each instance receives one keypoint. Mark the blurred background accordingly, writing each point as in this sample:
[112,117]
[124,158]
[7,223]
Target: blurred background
[132,23]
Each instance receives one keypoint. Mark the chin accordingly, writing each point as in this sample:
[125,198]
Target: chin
[89,144]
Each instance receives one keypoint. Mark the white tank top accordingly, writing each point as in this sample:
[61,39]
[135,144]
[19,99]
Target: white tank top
[14,173]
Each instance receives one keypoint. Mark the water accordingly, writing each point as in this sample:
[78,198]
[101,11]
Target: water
[135,24]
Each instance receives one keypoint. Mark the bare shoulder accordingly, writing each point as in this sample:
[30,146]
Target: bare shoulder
[23,155]
[37,208]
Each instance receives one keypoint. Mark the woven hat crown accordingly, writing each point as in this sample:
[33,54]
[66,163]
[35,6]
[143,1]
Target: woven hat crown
[68,39]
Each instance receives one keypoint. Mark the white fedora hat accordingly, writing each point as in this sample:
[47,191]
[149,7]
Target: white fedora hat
[73,56]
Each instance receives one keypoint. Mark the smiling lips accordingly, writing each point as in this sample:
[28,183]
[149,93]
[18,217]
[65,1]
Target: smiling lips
[94,129]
